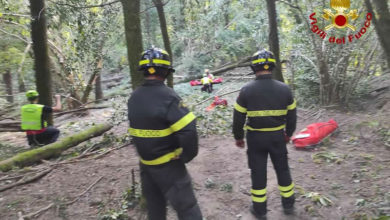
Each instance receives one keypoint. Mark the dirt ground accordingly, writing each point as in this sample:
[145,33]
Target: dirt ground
[356,178]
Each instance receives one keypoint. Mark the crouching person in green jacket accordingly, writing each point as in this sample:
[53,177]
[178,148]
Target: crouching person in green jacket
[33,120]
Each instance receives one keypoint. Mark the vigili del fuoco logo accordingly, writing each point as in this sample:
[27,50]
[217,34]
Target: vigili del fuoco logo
[341,19]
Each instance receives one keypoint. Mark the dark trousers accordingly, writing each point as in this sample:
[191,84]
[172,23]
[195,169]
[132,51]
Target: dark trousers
[169,182]
[206,88]
[50,135]
[260,145]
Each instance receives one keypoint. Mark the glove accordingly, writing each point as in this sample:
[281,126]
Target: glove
[240,143]
[286,138]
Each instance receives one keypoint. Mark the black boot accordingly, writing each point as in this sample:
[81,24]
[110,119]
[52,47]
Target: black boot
[288,205]
[259,216]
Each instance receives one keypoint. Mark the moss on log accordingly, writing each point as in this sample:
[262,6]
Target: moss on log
[54,149]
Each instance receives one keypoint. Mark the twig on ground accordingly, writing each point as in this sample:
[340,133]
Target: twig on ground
[27,180]
[78,158]
[228,93]
[299,115]
[34,214]
[108,151]
[85,191]
[20,216]
[28,216]
[11,177]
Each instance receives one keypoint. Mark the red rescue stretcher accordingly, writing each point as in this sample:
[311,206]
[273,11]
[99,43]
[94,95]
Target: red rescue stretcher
[198,83]
[217,101]
[313,134]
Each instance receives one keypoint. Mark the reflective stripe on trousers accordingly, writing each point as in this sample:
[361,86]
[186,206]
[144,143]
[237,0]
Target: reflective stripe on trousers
[163,159]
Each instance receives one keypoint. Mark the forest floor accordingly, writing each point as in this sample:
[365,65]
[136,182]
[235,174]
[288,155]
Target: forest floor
[346,177]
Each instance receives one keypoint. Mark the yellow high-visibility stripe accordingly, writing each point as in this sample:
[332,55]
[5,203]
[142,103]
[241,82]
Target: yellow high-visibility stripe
[259,199]
[259,192]
[163,159]
[292,106]
[164,52]
[142,62]
[265,113]
[156,61]
[184,121]
[150,133]
[180,124]
[263,60]
[239,108]
[265,129]
[287,194]
[286,188]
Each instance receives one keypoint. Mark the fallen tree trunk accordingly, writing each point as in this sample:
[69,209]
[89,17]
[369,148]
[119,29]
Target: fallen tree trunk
[14,126]
[10,126]
[241,63]
[54,149]
[12,129]
[79,110]
[229,67]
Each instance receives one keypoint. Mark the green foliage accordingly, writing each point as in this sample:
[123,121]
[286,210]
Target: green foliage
[319,199]
[329,157]
[203,34]
[226,187]
[209,183]
[131,198]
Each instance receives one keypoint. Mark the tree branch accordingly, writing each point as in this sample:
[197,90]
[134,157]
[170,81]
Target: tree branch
[289,4]
[16,15]
[27,180]
[14,35]
[86,6]
[153,6]
[14,23]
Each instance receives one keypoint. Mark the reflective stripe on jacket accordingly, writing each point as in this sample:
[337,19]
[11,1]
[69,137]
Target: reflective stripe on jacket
[269,106]
[32,117]
[206,80]
[161,126]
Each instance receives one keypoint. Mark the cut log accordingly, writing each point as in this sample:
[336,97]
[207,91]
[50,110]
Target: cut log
[79,110]
[242,63]
[14,126]
[229,67]
[54,149]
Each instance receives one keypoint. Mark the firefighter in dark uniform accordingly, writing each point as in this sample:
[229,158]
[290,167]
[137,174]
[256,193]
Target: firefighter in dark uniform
[271,111]
[164,133]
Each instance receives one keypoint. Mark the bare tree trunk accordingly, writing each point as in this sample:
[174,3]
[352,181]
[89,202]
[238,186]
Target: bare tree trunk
[274,39]
[92,79]
[41,61]
[7,79]
[291,68]
[382,24]
[98,87]
[226,14]
[322,65]
[21,84]
[164,31]
[131,12]
[148,24]
[66,77]
[182,18]
[325,84]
